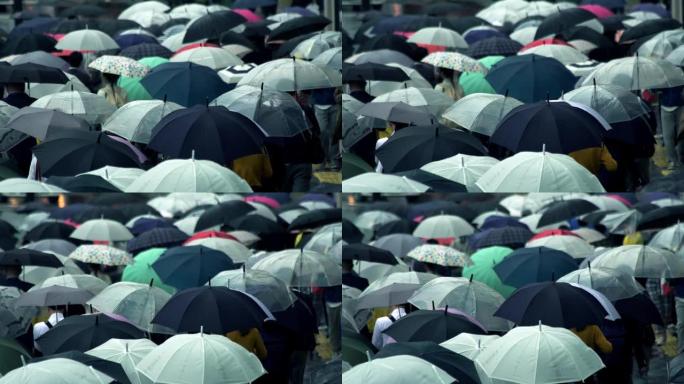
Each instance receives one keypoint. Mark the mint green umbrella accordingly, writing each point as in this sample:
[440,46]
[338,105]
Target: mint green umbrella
[474,82]
[10,355]
[482,269]
[141,270]
[134,90]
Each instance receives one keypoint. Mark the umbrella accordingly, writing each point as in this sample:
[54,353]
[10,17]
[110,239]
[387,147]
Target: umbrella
[44,123]
[538,172]
[208,132]
[554,304]
[565,210]
[455,61]
[372,71]
[636,73]
[469,345]
[443,227]
[139,51]
[92,108]
[676,57]
[360,251]
[570,244]
[493,46]
[380,56]
[141,270]
[15,320]
[142,6]
[87,40]
[398,244]
[12,353]
[509,236]
[212,57]
[397,112]
[56,371]
[392,289]
[156,238]
[270,290]
[126,353]
[563,20]
[84,332]
[435,102]
[670,238]
[42,58]
[454,364]
[538,354]
[102,230]
[87,10]
[316,218]
[615,104]
[190,266]
[662,217]
[432,325]
[30,72]
[463,169]
[401,369]
[480,112]
[138,303]
[440,255]
[210,308]
[563,53]
[83,183]
[649,28]
[223,213]
[28,43]
[277,113]
[472,297]
[642,261]
[301,268]
[212,25]
[290,75]
[298,26]
[119,65]
[88,282]
[53,296]
[615,284]
[534,265]
[24,256]
[100,254]
[513,76]
[184,83]
[238,252]
[61,247]
[49,230]
[379,183]
[135,120]
[439,36]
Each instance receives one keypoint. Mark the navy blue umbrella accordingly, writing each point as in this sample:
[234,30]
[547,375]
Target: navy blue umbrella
[145,224]
[534,265]
[553,304]
[211,133]
[217,310]
[253,4]
[479,34]
[190,266]
[531,78]
[139,51]
[131,39]
[157,237]
[639,308]
[658,9]
[184,83]
[512,237]
[496,221]
[494,46]
[556,126]
[36,25]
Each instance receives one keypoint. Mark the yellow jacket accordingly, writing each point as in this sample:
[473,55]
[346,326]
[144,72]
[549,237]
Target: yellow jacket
[252,341]
[255,169]
[592,336]
[593,158]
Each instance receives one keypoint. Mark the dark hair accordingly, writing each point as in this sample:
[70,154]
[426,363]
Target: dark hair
[111,78]
[74,59]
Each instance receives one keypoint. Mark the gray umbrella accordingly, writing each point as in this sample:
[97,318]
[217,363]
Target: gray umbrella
[399,112]
[42,58]
[676,57]
[381,56]
[616,104]
[636,73]
[58,246]
[44,123]
[398,243]
[14,320]
[53,295]
[480,112]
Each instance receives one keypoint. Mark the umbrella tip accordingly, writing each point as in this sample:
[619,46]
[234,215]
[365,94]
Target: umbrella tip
[201,330]
[446,309]
[540,327]
[471,278]
[544,149]
[192,155]
[433,305]
[151,281]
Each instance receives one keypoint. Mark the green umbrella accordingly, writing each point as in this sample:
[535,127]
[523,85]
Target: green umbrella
[10,355]
[138,303]
[355,347]
[482,269]
[141,270]
[134,90]
[353,165]
[125,352]
[474,82]
[55,371]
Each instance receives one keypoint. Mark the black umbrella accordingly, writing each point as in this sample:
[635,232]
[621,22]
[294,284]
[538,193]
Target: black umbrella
[23,256]
[557,127]
[217,310]
[139,51]
[507,236]
[587,34]
[190,266]
[44,123]
[273,236]
[54,295]
[359,251]
[83,183]
[87,10]
[77,151]
[212,25]
[553,304]
[49,230]
[316,218]
[395,226]
[84,332]
[230,37]
[211,133]
[222,214]
[163,237]
[413,147]
[298,26]
[561,21]
[99,211]
[398,112]
[565,210]
[28,43]
[31,73]
[109,368]
[457,366]
[494,46]
[350,232]
[435,182]
[662,217]
[372,71]
[435,325]
[639,308]
[648,28]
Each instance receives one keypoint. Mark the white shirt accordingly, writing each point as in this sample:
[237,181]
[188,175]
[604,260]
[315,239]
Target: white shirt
[378,144]
[39,329]
[381,324]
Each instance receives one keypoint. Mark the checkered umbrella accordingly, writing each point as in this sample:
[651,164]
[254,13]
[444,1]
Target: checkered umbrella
[139,51]
[494,46]
[156,238]
[513,237]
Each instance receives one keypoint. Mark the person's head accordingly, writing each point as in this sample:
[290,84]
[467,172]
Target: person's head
[347,265]
[14,87]
[110,78]
[394,126]
[74,59]
[446,74]
[357,85]
[10,271]
[432,241]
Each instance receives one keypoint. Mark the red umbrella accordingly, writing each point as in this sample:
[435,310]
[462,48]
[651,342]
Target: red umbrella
[208,234]
[545,41]
[600,11]
[554,232]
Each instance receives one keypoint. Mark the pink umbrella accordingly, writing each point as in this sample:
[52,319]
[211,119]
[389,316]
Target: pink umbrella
[247,14]
[263,200]
[598,10]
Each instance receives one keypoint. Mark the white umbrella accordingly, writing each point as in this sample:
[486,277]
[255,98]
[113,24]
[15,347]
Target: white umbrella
[588,234]
[612,313]
[614,103]
[455,61]
[676,57]
[443,226]
[55,371]
[563,53]
[468,344]
[288,75]
[270,290]
[37,274]
[416,80]
[148,18]
[100,254]
[400,369]
[439,36]
[117,176]
[376,271]
[188,11]
[237,50]
[212,57]
[670,238]
[235,249]
[463,169]
[39,90]
[90,283]
[662,44]
[125,352]
[144,6]
[202,359]
[637,73]
[538,355]
[19,185]
[435,101]
[381,183]
[622,223]
[331,58]
[480,112]
[87,40]
[539,172]
[642,261]
[311,47]
[102,230]
[119,65]
[175,41]
[500,15]
[90,107]
[524,35]
[301,268]
[574,246]
[135,120]
[188,175]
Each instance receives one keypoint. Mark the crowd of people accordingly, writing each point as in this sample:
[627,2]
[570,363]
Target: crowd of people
[594,87]
[130,288]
